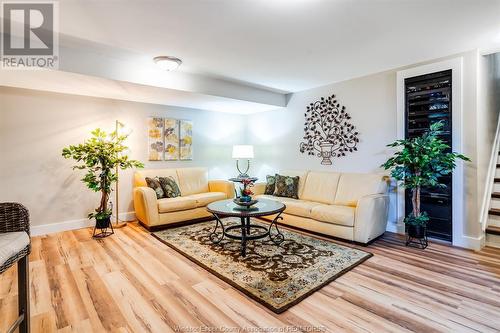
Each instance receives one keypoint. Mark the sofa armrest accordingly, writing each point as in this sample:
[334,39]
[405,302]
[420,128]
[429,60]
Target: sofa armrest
[222,186]
[371,217]
[259,188]
[146,206]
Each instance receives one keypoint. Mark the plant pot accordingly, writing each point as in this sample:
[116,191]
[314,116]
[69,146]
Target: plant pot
[103,223]
[417,231]
[104,226]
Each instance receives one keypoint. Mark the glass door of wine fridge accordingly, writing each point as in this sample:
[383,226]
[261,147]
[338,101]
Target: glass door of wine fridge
[428,100]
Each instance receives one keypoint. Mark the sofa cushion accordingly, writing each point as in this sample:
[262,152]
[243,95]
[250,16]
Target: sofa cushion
[170,187]
[140,175]
[286,186]
[342,215]
[11,243]
[203,199]
[299,207]
[353,186]
[155,184]
[270,184]
[269,197]
[293,206]
[175,204]
[297,173]
[321,187]
[193,180]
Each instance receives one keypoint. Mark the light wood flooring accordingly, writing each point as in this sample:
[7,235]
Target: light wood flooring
[130,282]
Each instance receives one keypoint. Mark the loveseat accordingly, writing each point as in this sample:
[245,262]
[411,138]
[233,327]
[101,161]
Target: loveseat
[344,205]
[197,191]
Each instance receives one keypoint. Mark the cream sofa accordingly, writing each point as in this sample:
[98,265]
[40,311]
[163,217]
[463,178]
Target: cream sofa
[196,193]
[344,205]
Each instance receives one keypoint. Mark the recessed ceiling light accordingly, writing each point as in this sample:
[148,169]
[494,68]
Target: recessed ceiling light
[167,62]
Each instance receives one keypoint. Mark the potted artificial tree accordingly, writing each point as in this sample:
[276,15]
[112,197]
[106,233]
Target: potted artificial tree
[421,162]
[101,155]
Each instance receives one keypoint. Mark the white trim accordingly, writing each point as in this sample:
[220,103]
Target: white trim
[44,229]
[489,50]
[398,228]
[456,65]
[485,206]
[473,243]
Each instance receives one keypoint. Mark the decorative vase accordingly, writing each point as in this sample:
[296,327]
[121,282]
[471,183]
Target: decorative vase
[326,153]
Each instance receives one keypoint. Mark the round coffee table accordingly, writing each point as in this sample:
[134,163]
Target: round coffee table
[227,208]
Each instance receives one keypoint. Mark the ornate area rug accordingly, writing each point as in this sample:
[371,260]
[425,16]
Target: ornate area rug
[277,276]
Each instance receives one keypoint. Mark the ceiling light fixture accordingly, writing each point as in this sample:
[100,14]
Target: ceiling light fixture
[167,62]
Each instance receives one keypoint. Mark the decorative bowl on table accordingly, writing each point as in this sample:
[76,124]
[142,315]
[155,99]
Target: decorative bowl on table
[245,201]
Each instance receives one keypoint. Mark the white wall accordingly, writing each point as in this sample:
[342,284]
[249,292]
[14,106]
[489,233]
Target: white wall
[371,101]
[35,126]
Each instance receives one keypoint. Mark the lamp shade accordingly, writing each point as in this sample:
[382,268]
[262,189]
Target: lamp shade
[243,151]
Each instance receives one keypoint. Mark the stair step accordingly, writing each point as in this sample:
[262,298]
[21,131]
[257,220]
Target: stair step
[495,195]
[494,211]
[493,240]
[493,230]
[497,180]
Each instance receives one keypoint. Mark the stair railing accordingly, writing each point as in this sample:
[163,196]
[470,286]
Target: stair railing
[490,179]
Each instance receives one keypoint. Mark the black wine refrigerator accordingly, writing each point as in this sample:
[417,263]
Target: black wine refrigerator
[428,100]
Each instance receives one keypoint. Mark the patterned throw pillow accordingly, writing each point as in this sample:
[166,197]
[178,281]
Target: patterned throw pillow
[286,186]
[170,187]
[270,181]
[154,183]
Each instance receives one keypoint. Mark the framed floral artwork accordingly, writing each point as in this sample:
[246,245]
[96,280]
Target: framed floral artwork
[171,133]
[155,139]
[186,140]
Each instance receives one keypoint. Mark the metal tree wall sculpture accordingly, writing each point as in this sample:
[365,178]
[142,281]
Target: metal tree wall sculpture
[327,132]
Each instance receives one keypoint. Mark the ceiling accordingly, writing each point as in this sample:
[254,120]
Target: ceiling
[283,45]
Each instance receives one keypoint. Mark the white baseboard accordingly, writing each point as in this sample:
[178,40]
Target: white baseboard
[395,227]
[473,243]
[44,229]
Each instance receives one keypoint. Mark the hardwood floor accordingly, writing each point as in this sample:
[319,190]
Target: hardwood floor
[131,282]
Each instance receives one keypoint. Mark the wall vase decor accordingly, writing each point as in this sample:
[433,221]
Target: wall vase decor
[327,132]
[326,152]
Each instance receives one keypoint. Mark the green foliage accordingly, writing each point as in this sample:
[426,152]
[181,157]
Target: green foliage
[100,156]
[100,215]
[417,220]
[421,162]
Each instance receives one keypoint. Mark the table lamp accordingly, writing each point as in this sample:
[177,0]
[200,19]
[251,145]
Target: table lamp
[241,152]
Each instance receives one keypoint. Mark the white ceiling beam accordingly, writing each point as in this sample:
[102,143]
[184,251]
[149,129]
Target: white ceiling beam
[85,85]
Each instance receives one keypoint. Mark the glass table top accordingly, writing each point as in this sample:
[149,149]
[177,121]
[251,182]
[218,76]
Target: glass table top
[261,208]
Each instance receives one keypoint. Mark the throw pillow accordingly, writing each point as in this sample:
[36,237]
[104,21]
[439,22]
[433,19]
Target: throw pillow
[270,181]
[170,187]
[154,183]
[286,186]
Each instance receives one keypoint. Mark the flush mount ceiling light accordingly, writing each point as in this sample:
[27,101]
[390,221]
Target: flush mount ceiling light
[167,62]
